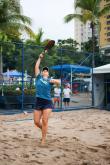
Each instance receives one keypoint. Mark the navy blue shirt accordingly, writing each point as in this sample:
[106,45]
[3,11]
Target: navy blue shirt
[43,87]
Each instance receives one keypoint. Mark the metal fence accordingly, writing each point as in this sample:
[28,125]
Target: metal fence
[17,79]
[107,91]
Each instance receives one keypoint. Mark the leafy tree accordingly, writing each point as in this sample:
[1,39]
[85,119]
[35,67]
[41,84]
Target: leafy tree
[9,53]
[88,46]
[68,43]
[12,24]
[68,48]
[33,47]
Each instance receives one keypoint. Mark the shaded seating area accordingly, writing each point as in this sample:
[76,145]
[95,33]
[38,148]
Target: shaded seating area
[72,70]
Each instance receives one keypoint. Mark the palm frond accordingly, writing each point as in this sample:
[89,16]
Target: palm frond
[20,18]
[12,20]
[38,37]
[70,17]
[87,16]
[104,11]
[85,4]
[14,5]
[16,29]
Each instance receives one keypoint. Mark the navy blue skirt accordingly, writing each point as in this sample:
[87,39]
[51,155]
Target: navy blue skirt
[42,104]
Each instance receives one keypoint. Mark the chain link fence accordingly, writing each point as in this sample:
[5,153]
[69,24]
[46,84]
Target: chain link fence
[17,79]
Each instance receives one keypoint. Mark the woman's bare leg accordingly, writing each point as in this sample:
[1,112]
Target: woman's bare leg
[37,117]
[54,103]
[68,104]
[58,103]
[45,116]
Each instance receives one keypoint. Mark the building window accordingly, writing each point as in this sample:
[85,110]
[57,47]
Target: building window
[108,39]
[108,22]
[108,34]
[108,28]
[108,16]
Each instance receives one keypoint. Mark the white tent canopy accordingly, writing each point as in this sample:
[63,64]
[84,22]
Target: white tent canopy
[102,69]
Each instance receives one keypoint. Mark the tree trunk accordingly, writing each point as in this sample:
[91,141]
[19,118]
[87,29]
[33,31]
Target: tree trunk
[93,62]
[1,61]
[93,44]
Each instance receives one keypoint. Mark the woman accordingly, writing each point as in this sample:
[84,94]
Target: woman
[67,94]
[57,92]
[44,103]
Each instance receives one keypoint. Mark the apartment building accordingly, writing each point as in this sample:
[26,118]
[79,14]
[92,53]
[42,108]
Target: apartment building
[105,31]
[82,32]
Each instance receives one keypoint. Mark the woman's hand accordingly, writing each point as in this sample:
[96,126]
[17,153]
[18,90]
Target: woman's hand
[41,55]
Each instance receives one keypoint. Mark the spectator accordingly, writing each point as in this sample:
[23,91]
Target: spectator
[57,92]
[67,93]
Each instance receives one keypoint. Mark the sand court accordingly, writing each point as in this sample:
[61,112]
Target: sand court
[79,137]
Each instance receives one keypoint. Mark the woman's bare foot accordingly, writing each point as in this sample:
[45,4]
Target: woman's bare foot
[42,142]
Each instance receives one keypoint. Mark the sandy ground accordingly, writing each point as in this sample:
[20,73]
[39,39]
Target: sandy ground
[74,138]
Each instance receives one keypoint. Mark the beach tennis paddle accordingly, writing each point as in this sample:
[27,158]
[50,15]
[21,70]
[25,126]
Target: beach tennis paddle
[49,45]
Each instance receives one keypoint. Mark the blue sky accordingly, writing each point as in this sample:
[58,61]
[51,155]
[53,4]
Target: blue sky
[48,15]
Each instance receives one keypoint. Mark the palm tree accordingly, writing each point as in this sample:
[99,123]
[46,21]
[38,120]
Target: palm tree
[12,22]
[33,48]
[37,38]
[92,12]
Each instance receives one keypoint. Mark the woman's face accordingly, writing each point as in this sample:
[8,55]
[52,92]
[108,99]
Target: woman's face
[45,73]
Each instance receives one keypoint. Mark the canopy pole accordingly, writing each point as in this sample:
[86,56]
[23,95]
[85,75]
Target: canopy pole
[22,77]
[71,78]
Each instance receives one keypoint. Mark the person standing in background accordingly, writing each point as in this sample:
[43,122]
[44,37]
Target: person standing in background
[57,92]
[67,94]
